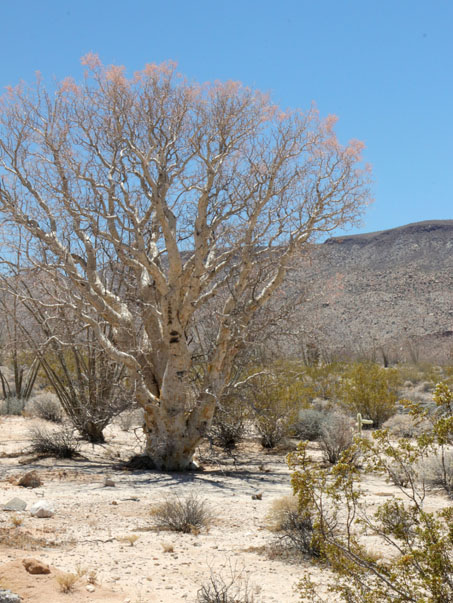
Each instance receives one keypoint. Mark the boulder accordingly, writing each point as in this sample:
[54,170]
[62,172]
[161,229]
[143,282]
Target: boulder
[34,566]
[15,504]
[42,508]
[30,480]
[6,596]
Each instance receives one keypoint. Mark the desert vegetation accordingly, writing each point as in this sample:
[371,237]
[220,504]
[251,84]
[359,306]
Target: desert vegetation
[155,380]
[362,513]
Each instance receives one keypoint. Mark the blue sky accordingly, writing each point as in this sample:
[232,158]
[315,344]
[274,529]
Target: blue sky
[385,67]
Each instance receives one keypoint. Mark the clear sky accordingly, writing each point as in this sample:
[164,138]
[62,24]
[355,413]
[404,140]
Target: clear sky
[385,67]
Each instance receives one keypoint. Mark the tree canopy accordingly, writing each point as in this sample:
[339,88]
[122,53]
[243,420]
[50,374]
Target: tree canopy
[158,199]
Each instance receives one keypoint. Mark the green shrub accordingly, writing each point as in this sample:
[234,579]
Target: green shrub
[274,396]
[418,544]
[370,390]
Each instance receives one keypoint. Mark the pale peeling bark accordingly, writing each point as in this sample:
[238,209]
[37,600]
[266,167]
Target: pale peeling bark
[202,194]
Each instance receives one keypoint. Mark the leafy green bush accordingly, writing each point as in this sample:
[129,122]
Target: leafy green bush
[370,390]
[418,544]
[275,396]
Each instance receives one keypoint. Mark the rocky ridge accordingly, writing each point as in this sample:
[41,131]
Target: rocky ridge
[387,294]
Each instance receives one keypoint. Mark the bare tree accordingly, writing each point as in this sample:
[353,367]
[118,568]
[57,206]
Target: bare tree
[89,384]
[196,190]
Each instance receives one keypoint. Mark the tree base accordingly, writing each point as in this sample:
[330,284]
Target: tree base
[142,462]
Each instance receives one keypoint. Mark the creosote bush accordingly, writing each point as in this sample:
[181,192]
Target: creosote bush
[188,515]
[370,390]
[418,562]
[275,396]
[61,443]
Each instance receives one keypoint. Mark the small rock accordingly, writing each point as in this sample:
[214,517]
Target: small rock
[42,508]
[90,588]
[15,504]
[109,483]
[34,566]
[257,496]
[30,480]
[114,502]
[6,596]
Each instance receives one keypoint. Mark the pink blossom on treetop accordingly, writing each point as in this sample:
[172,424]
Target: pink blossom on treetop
[91,60]
[330,122]
[115,74]
[332,143]
[165,68]
[68,84]
[231,87]
[227,89]
[355,148]
[269,112]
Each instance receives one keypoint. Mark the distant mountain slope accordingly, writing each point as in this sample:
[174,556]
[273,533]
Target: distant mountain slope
[387,292]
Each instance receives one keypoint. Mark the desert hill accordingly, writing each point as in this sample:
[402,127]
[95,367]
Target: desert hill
[386,294]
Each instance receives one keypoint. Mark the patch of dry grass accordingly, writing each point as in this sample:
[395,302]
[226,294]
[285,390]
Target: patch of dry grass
[188,515]
[67,582]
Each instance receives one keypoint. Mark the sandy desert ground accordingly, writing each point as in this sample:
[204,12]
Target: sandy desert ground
[91,521]
[94,525]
